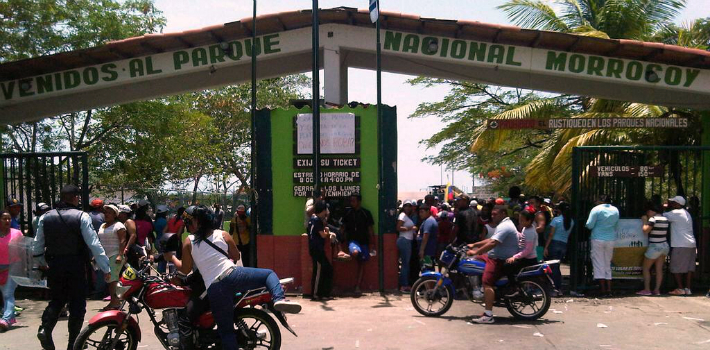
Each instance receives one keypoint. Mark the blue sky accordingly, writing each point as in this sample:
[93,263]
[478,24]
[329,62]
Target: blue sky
[414,175]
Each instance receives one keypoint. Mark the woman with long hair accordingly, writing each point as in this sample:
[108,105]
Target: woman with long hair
[113,237]
[657,227]
[406,229]
[556,244]
[214,252]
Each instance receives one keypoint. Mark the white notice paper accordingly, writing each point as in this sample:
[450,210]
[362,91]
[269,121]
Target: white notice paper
[337,133]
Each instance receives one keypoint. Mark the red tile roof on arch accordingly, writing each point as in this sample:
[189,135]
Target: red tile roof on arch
[283,21]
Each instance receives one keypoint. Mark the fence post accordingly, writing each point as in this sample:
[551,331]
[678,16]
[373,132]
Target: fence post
[574,253]
[705,173]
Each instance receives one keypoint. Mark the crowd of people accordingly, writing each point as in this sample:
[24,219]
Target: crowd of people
[110,235]
[508,234]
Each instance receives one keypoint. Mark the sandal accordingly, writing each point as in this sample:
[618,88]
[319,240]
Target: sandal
[677,291]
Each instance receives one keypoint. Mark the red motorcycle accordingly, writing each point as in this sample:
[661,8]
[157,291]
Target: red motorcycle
[139,290]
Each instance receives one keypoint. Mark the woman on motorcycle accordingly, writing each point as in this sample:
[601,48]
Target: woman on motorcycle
[214,253]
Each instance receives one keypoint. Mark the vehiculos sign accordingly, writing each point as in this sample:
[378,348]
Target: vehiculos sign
[511,57]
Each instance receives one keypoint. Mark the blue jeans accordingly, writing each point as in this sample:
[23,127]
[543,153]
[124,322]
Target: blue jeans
[557,251]
[221,297]
[8,295]
[405,253]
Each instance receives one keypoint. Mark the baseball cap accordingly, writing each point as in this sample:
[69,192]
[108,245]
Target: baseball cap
[407,202]
[112,207]
[678,199]
[474,203]
[500,201]
[42,206]
[124,209]
[97,203]
[11,202]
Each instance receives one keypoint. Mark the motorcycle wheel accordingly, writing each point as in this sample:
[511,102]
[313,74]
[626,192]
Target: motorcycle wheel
[261,330]
[100,336]
[428,300]
[532,302]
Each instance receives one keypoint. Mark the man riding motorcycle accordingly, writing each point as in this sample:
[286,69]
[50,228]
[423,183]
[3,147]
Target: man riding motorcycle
[503,245]
[213,252]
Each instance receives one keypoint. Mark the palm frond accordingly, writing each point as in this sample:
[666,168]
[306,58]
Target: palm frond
[533,14]
[492,140]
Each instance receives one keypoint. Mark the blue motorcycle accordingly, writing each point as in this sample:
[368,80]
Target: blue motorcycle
[527,297]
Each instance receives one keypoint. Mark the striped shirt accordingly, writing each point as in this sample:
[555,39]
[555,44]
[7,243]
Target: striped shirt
[659,232]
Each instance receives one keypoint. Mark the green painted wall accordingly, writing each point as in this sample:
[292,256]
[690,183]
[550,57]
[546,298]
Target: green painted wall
[288,211]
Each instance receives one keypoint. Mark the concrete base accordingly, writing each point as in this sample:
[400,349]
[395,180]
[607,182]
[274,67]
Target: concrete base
[288,256]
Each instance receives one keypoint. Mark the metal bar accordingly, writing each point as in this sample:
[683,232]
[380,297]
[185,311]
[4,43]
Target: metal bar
[85,181]
[574,254]
[380,152]
[316,102]
[252,200]
[52,186]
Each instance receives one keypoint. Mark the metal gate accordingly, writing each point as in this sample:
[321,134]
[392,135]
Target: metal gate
[633,175]
[38,177]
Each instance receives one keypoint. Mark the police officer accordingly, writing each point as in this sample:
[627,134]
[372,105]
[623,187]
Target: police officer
[66,238]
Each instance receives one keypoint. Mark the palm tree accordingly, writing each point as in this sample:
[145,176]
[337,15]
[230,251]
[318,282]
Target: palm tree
[550,170]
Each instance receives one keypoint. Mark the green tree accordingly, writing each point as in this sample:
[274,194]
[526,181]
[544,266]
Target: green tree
[550,169]
[31,28]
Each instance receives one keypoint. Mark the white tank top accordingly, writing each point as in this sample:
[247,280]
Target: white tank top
[208,260]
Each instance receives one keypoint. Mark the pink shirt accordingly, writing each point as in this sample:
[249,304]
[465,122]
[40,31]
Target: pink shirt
[143,229]
[5,258]
[527,240]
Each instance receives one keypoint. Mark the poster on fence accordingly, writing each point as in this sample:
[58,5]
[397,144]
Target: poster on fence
[631,244]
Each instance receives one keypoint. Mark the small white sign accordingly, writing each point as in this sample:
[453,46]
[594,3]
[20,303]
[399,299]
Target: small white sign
[337,133]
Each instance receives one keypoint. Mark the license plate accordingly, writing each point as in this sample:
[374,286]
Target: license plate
[129,274]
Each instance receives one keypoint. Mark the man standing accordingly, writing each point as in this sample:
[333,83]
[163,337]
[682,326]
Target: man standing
[239,228]
[358,227]
[603,220]
[466,221]
[432,201]
[64,238]
[14,206]
[97,213]
[428,230]
[682,245]
[218,216]
[318,234]
[500,247]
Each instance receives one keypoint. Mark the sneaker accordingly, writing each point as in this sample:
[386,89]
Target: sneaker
[644,293]
[12,321]
[4,325]
[656,292]
[483,319]
[289,307]
[678,291]
[688,292]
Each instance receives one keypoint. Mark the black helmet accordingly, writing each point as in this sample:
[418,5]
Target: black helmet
[200,213]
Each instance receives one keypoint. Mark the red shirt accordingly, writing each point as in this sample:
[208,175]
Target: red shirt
[175,225]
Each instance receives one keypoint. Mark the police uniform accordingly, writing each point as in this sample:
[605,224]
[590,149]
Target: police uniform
[66,238]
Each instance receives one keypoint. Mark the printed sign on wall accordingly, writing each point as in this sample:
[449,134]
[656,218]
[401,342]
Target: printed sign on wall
[337,133]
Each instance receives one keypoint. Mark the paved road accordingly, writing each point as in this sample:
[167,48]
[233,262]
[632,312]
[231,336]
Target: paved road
[375,322]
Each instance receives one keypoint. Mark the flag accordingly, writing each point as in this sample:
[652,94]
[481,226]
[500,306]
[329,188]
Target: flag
[374,10]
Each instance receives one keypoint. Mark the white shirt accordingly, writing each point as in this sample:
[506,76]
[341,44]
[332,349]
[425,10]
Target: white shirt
[309,205]
[681,228]
[208,260]
[108,236]
[406,222]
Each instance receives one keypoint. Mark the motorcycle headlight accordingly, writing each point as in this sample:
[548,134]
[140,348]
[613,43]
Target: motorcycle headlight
[121,290]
